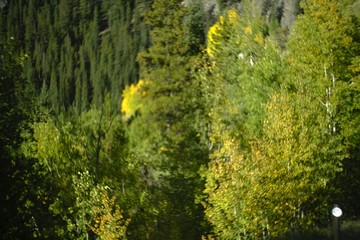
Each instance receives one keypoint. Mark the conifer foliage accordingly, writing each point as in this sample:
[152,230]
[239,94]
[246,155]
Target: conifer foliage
[78,50]
[162,134]
[177,119]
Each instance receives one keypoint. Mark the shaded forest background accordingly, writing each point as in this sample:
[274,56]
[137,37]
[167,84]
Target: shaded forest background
[169,119]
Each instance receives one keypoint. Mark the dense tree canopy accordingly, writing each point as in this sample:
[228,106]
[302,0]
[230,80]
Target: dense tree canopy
[172,119]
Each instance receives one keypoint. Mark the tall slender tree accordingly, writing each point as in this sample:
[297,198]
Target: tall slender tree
[162,134]
[242,71]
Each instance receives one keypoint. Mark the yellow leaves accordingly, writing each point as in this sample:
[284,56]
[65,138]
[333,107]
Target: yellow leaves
[231,29]
[220,30]
[163,149]
[132,98]
[248,29]
[99,210]
[108,220]
[215,36]
[221,20]
[254,30]
[259,39]
[233,16]
[207,237]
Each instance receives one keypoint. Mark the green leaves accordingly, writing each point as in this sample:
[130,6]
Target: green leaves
[161,134]
[78,51]
[277,150]
[84,161]
[242,72]
[251,141]
[95,210]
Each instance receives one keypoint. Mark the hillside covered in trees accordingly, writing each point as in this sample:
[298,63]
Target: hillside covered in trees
[178,119]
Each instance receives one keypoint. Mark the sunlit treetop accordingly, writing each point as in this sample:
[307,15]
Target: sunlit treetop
[231,27]
[220,30]
[132,98]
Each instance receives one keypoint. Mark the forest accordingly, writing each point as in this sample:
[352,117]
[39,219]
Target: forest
[178,119]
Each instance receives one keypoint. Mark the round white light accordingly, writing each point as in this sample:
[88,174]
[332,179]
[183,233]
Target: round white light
[336,211]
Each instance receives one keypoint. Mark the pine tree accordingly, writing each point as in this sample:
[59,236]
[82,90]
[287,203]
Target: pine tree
[110,34]
[162,134]
[15,174]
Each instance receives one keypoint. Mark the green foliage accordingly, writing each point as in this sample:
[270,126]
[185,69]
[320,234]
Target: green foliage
[12,172]
[91,144]
[161,134]
[79,51]
[255,139]
[10,84]
[94,210]
[322,72]
[296,161]
[235,98]
[276,160]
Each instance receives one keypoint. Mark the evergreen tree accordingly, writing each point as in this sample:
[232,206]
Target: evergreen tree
[281,124]
[162,135]
[54,33]
[16,175]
